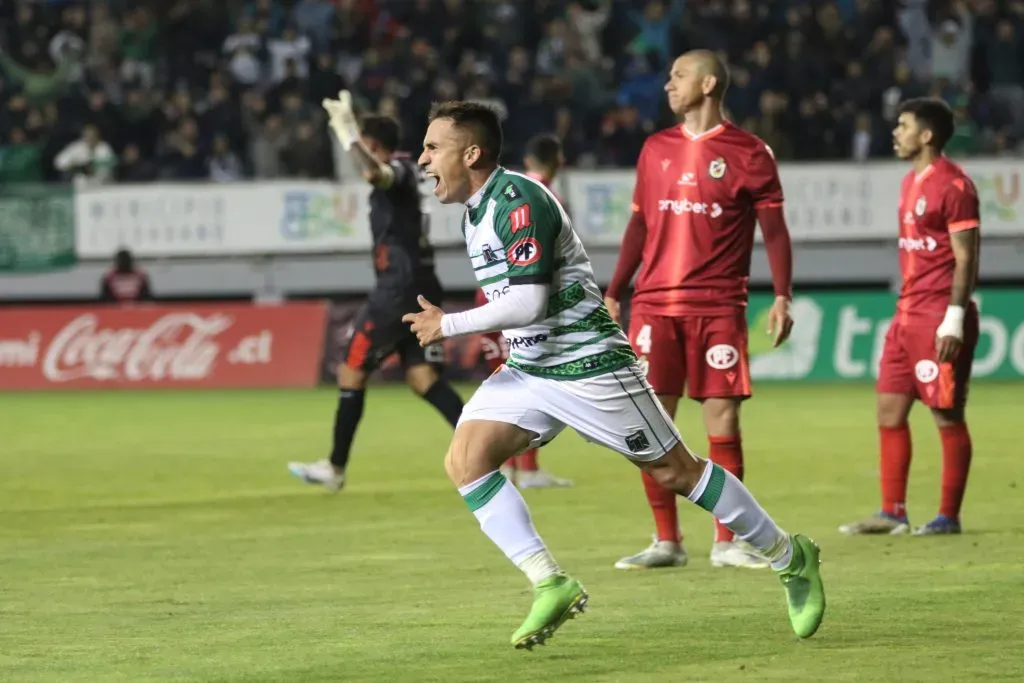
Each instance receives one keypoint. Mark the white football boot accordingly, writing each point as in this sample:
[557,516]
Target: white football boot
[539,479]
[320,472]
[657,555]
[733,554]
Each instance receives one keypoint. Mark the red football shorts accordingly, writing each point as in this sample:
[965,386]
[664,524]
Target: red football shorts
[909,367]
[706,356]
[494,348]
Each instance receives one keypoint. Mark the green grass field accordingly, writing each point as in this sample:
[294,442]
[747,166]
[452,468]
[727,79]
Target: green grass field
[158,537]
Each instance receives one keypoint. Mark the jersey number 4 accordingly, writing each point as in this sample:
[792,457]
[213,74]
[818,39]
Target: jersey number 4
[520,218]
[643,339]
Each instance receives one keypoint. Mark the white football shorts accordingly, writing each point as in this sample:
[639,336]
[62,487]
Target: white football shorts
[618,410]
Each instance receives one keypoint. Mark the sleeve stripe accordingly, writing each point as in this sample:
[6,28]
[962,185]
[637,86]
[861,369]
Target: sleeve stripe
[767,205]
[968,224]
[530,279]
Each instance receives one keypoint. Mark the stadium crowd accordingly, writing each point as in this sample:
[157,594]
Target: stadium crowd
[127,91]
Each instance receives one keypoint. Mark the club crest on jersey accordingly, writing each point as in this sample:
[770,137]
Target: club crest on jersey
[716,169]
[921,206]
[524,252]
[511,192]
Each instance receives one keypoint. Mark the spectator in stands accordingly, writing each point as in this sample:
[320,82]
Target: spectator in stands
[807,75]
[125,283]
[88,160]
[20,159]
[225,166]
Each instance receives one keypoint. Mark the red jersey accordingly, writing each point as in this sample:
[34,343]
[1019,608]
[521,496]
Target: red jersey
[933,204]
[698,196]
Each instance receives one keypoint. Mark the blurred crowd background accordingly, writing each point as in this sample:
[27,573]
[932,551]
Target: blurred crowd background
[121,91]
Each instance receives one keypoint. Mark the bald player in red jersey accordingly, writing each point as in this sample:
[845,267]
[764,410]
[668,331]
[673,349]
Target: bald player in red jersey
[701,187]
[930,345]
[543,160]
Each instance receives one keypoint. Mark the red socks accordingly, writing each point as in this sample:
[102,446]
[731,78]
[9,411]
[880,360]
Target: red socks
[527,461]
[663,505]
[956,463]
[894,468]
[727,453]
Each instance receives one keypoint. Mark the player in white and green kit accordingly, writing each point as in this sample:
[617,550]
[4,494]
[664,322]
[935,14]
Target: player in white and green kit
[569,365]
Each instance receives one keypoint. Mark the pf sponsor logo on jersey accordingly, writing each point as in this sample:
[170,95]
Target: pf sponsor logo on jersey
[519,218]
[716,169]
[681,206]
[524,252]
[918,243]
[926,371]
[722,356]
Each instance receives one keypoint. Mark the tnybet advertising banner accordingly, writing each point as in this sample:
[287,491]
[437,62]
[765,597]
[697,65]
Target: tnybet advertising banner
[839,336]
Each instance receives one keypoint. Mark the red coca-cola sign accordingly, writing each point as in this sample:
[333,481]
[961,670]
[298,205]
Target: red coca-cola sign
[205,345]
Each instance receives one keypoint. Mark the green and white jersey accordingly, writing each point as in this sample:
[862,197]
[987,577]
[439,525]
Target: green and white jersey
[517,233]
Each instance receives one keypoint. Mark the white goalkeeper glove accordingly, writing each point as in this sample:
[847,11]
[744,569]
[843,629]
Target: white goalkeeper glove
[342,120]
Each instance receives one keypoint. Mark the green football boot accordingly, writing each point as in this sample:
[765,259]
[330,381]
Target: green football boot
[805,592]
[556,599]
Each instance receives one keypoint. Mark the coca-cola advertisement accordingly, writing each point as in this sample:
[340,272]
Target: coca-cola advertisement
[465,357]
[202,345]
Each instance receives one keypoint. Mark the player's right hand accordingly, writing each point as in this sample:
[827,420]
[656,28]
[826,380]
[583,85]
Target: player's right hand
[613,308]
[342,119]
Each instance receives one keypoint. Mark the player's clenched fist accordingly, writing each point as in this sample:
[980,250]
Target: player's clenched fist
[426,324]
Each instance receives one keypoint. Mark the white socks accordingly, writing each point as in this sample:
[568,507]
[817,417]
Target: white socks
[725,496]
[505,519]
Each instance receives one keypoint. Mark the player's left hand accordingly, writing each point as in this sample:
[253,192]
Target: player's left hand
[780,323]
[947,348]
[426,324]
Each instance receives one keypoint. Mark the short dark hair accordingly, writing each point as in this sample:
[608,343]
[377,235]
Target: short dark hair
[479,119]
[545,148]
[932,114]
[384,130]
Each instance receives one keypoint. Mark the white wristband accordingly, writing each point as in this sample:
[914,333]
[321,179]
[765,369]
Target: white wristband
[953,324]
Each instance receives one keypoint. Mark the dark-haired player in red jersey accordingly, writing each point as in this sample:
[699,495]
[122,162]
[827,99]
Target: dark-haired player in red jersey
[543,160]
[700,189]
[930,345]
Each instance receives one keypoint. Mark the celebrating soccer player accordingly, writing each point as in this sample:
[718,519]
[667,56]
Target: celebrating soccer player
[700,188]
[929,347]
[404,263]
[543,160]
[569,365]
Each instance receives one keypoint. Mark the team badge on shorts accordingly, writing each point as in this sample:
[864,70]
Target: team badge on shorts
[637,442]
[926,371]
[722,356]
[716,169]
[921,206]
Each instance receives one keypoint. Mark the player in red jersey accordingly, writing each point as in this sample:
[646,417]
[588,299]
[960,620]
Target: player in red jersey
[700,189]
[543,160]
[930,345]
